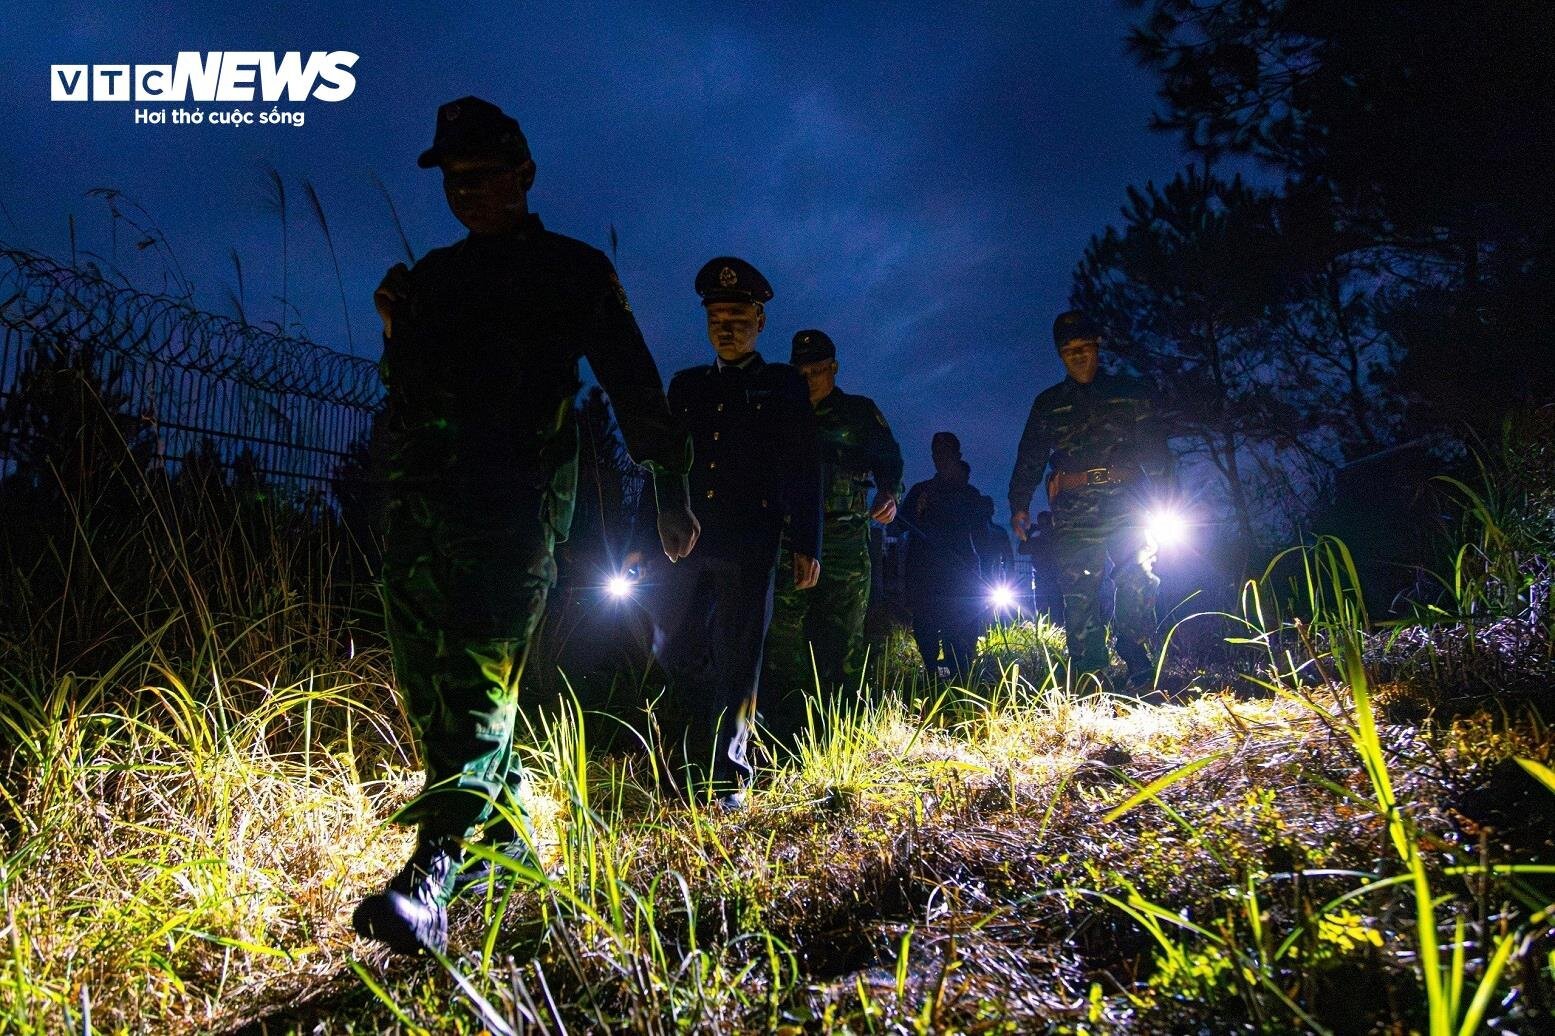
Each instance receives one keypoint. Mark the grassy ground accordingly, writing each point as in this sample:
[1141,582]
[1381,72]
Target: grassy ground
[1289,847]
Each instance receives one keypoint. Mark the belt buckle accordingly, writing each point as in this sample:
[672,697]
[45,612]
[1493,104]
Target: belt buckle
[1096,477]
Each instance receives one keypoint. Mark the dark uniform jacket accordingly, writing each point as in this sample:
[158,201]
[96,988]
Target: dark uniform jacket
[944,518]
[757,459]
[856,444]
[1110,423]
[482,370]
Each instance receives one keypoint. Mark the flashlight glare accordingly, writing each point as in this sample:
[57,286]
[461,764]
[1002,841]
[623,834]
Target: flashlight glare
[1166,527]
[619,587]
[1002,597]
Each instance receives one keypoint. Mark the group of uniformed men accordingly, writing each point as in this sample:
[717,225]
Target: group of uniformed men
[761,475]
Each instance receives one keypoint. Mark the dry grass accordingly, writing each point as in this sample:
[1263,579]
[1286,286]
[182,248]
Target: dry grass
[184,865]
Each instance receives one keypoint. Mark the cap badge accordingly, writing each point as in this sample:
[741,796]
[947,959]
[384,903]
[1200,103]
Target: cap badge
[452,113]
[727,277]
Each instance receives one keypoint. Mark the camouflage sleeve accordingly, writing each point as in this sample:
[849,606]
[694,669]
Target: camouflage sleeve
[885,456]
[397,366]
[1031,458]
[418,411]
[800,447]
[621,361]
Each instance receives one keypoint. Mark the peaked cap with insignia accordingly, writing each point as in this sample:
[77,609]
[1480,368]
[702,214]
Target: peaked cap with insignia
[727,279]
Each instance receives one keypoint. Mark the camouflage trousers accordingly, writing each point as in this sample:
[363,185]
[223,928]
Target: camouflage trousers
[827,619]
[462,602]
[1082,545]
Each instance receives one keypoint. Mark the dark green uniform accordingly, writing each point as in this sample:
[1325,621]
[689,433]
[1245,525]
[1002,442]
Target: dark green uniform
[857,453]
[481,372]
[1109,428]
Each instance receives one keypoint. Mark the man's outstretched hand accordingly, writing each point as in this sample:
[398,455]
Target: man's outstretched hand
[678,532]
[394,287]
[807,571]
[883,509]
[1018,524]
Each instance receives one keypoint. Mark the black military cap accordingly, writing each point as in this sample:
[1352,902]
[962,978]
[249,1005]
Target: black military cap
[812,347]
[471,127]
[1074,324]
[727,279]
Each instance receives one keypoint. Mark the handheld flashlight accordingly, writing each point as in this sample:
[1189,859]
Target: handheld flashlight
[1001,596]
[621,585]
[1166,526]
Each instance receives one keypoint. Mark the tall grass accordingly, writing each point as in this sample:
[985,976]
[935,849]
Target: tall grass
[187,853]
[1330,644]
[186,820]
[172,843]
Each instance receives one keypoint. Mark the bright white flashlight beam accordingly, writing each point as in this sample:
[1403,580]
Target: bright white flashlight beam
[619,587]
[1167,527]
[1002,597]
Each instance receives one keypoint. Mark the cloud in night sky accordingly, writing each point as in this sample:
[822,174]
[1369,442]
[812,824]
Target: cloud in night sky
[919,181]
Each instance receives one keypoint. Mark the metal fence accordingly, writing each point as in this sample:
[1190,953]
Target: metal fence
[190,376]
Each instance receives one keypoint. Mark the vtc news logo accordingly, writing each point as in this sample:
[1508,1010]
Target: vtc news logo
[212,77]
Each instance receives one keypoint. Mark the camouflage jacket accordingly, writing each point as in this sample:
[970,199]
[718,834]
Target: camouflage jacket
[1113,422]
[482,370]
[857,451]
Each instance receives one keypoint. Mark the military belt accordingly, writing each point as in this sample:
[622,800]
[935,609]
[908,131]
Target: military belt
[1064,481]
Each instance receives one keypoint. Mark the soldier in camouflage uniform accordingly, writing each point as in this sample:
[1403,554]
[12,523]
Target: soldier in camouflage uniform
[857,451]
[1100,435]
[481,348]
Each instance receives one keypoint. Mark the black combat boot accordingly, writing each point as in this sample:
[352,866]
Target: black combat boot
[500,835]
[411,915]
[1141,669]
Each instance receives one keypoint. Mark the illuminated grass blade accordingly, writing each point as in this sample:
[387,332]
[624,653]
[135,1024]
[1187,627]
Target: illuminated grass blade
[1539,772]
[1158,785]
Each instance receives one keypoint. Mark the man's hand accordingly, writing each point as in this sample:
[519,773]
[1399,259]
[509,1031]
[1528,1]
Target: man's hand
[678,532]
[1018,524]
[807,571]
[394,287]
[883,510]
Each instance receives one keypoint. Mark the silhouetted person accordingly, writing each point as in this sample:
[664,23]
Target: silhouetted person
[480,359]
[1041,548]
[943,517]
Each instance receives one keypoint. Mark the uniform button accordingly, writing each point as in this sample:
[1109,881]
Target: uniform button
[709,494]
[758,406]
[715,436]
[763,503]
[711,465]
[720,408]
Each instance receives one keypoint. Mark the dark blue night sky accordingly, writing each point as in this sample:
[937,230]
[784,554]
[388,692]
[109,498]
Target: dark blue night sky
[918,180]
